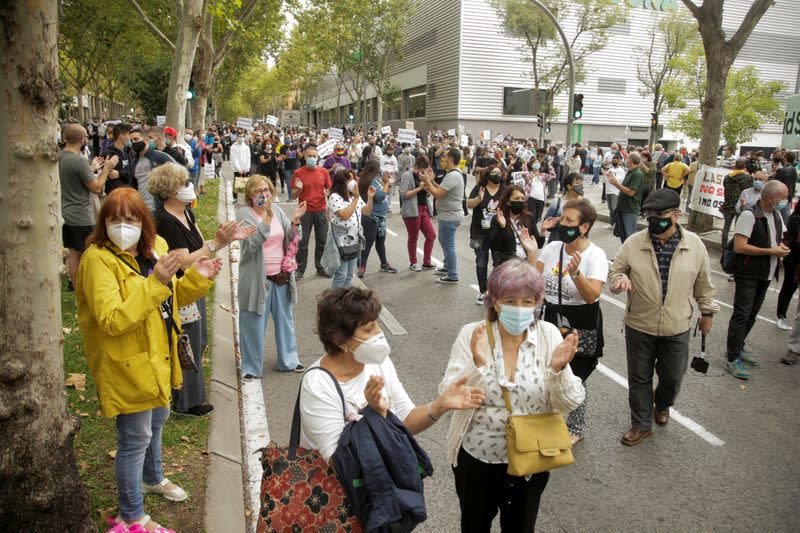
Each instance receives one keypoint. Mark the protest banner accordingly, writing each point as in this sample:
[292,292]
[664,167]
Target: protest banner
[208,170]
[451,133]
[486,135]
[464,140]
[336,133]
[406,136]
[325,149]
[161,120]
[708,193]
[272,120]
[244,123]
[386,130]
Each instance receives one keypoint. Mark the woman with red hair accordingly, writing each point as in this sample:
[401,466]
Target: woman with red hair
[128,299]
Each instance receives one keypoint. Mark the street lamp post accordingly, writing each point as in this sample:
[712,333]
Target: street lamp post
[571,62]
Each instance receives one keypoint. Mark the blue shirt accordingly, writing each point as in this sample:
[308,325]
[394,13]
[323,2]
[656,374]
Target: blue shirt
[664,258]
[380,203]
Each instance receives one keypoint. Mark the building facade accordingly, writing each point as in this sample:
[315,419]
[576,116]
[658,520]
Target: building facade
[461,71]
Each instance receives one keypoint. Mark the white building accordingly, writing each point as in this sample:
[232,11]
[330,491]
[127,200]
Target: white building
[460,68]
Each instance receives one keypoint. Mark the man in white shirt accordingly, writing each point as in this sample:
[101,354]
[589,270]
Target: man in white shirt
[612,193]
[240,161]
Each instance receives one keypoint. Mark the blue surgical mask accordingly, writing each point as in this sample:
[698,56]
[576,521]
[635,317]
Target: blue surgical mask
[515,319]
[311,162]
[536,166]
[782,204]
[128,144]
[758,185]
[152,145]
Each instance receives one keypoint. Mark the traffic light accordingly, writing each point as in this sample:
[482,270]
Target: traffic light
[653,121]
[190,94]
[577,106]
[540,120]
[547,128]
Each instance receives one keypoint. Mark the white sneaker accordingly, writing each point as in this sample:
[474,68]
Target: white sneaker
[167,489]
[481,298]
[783,324]
[608,226]
[416,267]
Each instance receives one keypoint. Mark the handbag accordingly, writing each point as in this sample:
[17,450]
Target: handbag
[299,489]
[534,443]
[587,338]
[350,251]
[189,314]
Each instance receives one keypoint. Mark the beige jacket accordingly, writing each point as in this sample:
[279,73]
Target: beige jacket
[689,279]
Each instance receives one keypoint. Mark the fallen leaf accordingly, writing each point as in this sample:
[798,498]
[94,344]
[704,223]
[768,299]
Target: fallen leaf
[113,453]
[83,465]
[66,331]
[81,398]
[98,413]
[184,438]
[76,380]
[83,414]
[225,308]
[248,513]
[744,387]
[167,474]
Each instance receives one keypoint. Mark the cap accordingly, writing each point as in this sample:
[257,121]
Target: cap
[662,200]
[171,132]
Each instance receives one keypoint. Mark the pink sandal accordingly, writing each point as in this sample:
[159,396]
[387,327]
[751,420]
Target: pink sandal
[119,526]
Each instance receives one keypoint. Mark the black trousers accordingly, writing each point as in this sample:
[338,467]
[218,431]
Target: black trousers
[790,263]
[371,237]
[747,300]
[483,489]
[319,222]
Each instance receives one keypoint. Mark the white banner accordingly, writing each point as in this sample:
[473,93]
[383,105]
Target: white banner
[386,130]
[161,120]
[520,151]
[486,135]
[244,123]
[499,138]
[451,133]
[708,193]
[272,120]
[336,133]
[527,155]
[517,179]
[464,140]
[406,136]
[208,170]
[325,149]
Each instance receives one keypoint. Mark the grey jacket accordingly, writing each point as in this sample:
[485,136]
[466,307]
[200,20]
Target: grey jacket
[409,208]
[254,286]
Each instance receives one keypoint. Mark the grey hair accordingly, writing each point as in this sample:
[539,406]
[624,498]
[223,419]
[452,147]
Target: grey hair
[773,188]
[635,157]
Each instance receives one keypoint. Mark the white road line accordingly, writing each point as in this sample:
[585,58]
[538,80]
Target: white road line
[388,319]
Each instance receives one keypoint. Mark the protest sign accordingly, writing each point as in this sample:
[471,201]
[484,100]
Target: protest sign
[272,120]
[464,140]
[527,155]
[708,193]
[409,124]
[451,133]
[208,170]
[406,136]
[161,120]
[486,135]
[517,179]
[336,133]
[325,149]
[499,138]
[244,123]
[386,130]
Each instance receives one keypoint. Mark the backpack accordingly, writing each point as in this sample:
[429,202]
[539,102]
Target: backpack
[728,258]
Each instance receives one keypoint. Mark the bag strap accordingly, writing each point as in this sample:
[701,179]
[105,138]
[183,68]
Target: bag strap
[294,435]
[490,335]
[560,278]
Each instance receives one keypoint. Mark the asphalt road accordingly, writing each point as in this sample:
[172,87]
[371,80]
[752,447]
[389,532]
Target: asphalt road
[731,466]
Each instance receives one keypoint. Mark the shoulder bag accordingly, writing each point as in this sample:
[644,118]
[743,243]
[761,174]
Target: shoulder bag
[300,491]
[534,443]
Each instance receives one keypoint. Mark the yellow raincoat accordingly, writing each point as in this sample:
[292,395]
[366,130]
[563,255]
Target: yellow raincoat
[123,331]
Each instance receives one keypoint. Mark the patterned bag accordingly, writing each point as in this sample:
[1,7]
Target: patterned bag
[300,490]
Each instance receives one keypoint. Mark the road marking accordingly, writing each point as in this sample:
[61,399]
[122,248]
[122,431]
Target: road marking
[388,319]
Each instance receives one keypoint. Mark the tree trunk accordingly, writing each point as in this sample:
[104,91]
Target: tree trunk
[379,103]
[651,142]
[201,74]
[40,488]
[81,114]
[185,46]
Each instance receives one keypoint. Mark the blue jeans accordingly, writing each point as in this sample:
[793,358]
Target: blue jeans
[138,458]
[343,277]
[627,225]
[596,176]
[447,239]
[253,328]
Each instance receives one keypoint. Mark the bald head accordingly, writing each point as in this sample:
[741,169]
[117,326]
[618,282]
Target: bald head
[74,134]
[775,189]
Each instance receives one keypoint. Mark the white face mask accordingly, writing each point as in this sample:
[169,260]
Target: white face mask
[125,236]
[187,138]
[351,186]
[372,351]
[186,194]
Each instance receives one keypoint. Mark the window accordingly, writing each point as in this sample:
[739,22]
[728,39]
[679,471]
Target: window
[417,101]
[518,101]
[391,110]
[611,85]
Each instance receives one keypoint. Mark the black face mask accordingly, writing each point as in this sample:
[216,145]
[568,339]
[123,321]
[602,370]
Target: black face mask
[137,146]
[495,178]
[517,207]
[568,234]
[658,226]
[578,190]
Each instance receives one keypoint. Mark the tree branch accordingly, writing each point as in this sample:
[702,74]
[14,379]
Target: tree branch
[691,6]
[754,15]
[152,27]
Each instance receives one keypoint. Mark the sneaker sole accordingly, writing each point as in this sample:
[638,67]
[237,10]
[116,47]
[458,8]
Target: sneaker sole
[165,496]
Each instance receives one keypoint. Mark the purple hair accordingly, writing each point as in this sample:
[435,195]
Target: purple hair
[513,279]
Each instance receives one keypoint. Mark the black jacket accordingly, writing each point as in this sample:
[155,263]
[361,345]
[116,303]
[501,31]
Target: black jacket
[788,176]
[757,266]
[503,242]
[156,158]
[386,495]
[122,167]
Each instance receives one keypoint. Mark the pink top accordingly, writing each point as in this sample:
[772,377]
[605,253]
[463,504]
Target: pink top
[273,248]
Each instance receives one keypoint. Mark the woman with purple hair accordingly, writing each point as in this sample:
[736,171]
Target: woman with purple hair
[529,359]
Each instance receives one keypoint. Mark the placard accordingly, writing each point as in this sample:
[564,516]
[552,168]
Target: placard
[336,133]
[244,123]
[791,124]
[527,155]
[486,135]
[451,133]
[386,130]
[464,140]
[406,136]
[272,120]
[708,193]
[517,179]
[499,138]
[409,124]
[161,120]
[325,149]
[208,170]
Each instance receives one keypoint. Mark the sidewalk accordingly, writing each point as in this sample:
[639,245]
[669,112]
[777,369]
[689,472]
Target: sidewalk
[712,239]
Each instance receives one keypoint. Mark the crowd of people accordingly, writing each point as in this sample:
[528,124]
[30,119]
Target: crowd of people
[140,268]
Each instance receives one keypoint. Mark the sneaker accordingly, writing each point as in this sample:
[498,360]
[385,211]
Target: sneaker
[790,358]
[388,268]
[361,272]
[440,270]
[481,298]
[447,280]
[783,324]
[298,276]
[197,410]
[248,378]
[299,369]
[416,267]
[167,489]
[608,226]
[428,266]
[747,357]
[323,274]
[737,369]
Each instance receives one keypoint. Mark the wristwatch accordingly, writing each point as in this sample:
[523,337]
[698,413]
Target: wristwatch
[211,247]
[577,274]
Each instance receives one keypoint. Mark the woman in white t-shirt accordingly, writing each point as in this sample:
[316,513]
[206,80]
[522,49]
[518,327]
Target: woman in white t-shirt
[572,293]
[345,207]
[356,353]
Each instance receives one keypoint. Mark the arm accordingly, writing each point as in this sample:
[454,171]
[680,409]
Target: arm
[347,212]
[190,287]
[619,271]
[564,389]
[740,246]
[96,186]
[321,413]
[703,290]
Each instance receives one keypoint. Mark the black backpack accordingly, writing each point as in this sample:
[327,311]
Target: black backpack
[728,258]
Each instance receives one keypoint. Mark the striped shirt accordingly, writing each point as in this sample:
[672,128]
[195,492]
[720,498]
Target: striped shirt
[664,255]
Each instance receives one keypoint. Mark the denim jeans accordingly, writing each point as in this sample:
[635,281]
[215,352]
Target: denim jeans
[628,225]
[138,458]
[447,239]
[343,277]
[253,328]
[595,175]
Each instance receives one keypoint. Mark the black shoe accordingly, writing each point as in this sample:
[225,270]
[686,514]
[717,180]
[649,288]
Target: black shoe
[298,276]
[299,369]
[198,410]
[248,377]
[323,274]
[440,270]
[388,268]
[447,280]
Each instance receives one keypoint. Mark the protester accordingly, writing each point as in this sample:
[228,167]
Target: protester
[167,142]
[787,175]
[657,336]
[416,208]
[311,184]
[128,298]
[357,354]
[529,361]
[615,173]
[629,203]
[345,210]
[374,223]
[791,264]
[120,148]
[484,200]
[751,195]
[675,175]
[267,283]
[240,161]
[144,158]
[537,180]
[511,219]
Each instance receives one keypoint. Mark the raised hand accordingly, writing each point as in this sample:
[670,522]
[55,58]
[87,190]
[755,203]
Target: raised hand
[166,267]
[564,352]
[481,192]
[501,218]
[111,162]
[243,232]
[550,223]
[299,211]
[208,268]
[479,346]
[372,392]
[528,242]
[371,192]
[459,396]
[574,263]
